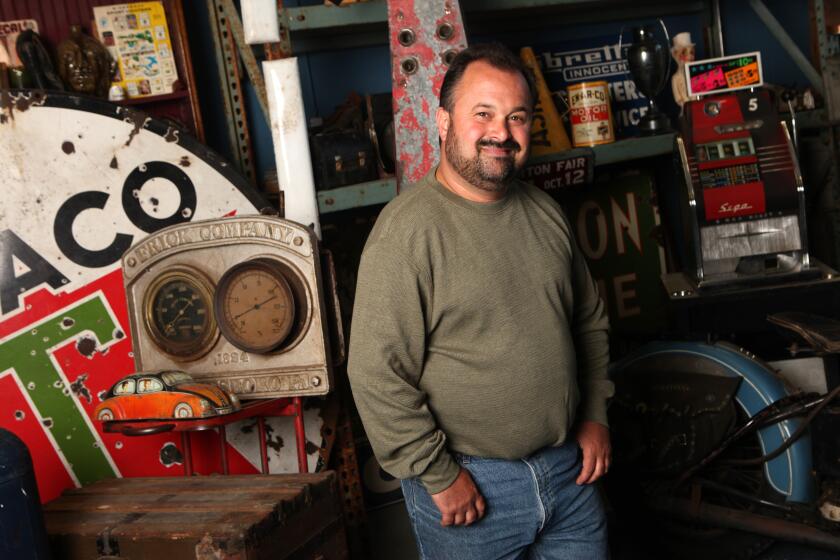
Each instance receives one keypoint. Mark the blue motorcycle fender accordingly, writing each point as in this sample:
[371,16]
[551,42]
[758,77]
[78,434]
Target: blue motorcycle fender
[791,473]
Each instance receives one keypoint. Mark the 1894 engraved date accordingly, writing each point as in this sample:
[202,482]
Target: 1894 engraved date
[230,358]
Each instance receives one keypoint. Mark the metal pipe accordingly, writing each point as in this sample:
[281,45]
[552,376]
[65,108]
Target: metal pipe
[187,452]
[223,449]
[791,439]
[723,489]
[263,450]
[300,436]
[771,414]
[800,193]
[718,26]
[717,516]
[793,129]
[789,45]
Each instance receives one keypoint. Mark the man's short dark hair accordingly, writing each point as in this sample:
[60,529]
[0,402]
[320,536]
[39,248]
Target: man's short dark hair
[494,54]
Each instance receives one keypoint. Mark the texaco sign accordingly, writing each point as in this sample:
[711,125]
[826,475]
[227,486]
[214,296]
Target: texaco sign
[82,181]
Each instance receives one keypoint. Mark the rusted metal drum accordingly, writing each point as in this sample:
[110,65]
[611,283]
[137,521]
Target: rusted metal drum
[591,115]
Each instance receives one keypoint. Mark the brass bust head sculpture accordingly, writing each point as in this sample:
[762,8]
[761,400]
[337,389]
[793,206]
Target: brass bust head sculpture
[85,64]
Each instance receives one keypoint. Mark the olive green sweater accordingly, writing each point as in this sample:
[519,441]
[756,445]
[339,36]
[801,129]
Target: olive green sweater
[476,328]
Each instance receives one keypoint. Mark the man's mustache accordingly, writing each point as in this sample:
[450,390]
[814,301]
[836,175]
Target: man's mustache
[509,144]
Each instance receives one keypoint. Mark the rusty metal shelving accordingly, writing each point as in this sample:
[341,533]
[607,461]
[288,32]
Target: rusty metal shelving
[383,190]
[363,23]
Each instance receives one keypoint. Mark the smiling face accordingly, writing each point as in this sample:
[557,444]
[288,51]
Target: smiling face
[486,136]
[683,54]
[80,68]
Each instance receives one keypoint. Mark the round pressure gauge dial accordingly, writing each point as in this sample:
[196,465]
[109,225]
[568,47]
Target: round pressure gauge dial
[179,313]
[255,306]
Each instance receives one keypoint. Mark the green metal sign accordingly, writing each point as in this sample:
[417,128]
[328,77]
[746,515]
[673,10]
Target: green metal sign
[615,221]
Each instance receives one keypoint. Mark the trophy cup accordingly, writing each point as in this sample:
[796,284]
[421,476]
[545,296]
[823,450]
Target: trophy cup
[649,62]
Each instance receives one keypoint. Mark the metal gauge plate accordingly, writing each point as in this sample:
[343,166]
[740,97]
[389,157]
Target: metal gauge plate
[178,313]
[255,306]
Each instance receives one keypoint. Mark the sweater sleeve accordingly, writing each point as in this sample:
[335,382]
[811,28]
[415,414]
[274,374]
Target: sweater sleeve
[590,329]
[387,347]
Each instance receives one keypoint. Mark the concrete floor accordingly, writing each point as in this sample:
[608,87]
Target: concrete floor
[785,551]
[391,538]
[390,533]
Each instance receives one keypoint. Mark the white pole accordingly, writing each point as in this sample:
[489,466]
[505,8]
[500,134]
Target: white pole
[291,143]
[259,21]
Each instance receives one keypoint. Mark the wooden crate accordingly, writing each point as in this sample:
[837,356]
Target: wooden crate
[247,517]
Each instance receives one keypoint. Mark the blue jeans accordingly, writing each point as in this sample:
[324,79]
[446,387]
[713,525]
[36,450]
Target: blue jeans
[534,510]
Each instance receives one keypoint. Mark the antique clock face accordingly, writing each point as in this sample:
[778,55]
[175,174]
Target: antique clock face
[255,306]
[178,313]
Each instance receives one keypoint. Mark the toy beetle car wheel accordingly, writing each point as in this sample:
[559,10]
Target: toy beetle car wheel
[183,410]
[105,414]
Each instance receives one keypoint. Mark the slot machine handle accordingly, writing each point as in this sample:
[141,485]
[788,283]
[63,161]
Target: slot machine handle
[788,97]
[620,38]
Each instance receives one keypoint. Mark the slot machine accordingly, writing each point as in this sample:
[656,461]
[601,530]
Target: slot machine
[744,198]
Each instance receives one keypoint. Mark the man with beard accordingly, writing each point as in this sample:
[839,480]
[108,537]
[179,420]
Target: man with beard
[478,353]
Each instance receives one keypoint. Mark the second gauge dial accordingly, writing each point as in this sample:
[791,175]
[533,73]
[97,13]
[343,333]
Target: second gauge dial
[254,306]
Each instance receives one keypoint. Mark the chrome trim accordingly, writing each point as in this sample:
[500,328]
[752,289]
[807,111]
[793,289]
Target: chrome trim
[800,189]
[692,203]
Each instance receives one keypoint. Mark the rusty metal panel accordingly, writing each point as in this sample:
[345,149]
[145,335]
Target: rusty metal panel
[424,36]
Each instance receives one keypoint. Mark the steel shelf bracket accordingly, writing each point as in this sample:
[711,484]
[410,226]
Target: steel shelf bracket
[789,45]
[252,68]
[227,63]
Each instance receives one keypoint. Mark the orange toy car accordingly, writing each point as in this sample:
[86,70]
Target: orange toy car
[164,395]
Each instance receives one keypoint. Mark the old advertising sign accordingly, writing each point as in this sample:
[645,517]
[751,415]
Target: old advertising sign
[83,180]
[616,222]
[558,171]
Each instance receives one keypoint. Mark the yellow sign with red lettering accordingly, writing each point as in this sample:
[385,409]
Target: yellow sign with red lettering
[548,135]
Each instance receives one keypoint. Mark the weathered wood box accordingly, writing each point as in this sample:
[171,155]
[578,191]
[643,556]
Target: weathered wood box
[247,517]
